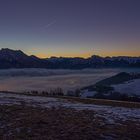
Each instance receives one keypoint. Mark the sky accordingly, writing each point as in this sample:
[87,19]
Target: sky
[71,28]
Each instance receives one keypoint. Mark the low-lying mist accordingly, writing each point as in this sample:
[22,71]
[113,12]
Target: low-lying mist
[19,80]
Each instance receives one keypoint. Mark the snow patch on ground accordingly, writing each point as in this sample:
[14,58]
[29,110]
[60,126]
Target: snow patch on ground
[130,87]
[86,93]
[110,114]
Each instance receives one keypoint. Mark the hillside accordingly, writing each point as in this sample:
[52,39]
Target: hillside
[59,118]
[123,86]
[116,79]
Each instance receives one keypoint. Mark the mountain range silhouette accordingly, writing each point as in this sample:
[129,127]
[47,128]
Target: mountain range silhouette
[17,59]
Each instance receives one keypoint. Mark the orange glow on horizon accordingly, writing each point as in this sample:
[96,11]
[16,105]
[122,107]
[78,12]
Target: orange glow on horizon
[86,55]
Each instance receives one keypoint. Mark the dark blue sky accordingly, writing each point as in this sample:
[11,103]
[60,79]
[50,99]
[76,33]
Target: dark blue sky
[71,27]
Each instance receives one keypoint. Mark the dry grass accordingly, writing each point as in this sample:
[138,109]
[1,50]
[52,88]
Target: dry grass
[27,123]
[113,103]
[105,102]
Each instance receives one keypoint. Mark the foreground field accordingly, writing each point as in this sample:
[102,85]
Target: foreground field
[34,117]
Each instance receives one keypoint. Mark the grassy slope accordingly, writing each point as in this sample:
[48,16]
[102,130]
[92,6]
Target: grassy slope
[102,102]
[90,101]
[24,122]
[21,122]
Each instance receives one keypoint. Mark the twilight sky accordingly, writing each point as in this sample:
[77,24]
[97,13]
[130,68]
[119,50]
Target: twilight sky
[71,27]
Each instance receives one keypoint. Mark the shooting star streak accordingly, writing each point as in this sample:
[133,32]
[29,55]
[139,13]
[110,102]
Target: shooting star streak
[49,25]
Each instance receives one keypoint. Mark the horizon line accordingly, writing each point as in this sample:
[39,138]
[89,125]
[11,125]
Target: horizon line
[70,56]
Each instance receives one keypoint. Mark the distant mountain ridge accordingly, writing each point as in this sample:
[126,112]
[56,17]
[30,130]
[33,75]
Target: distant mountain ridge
[18,59]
